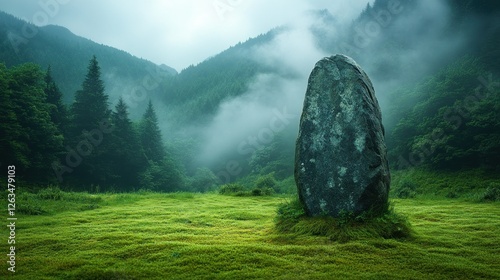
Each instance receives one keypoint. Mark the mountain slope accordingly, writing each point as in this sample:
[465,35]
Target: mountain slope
[227,101]
[68,55]
[196,93]
[401,50]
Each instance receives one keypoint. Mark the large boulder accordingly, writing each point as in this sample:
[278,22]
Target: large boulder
[340,158]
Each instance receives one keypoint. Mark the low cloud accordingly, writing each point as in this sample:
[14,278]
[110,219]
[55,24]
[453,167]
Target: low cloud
[270,97]
[293,53]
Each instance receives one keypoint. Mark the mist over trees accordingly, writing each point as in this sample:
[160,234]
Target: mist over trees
[423,74]
[234,117]
[457,124]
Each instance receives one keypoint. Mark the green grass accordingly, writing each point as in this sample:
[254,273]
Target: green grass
[211,236]
[291,218]
[474,185]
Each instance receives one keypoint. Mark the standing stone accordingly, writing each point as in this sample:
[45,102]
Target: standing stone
[340,158]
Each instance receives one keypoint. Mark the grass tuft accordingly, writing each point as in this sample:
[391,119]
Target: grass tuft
[291,218]
[405,189]
[231,189]
[29,204]
[235,189]
[51,193]
[492,193]
[53,200]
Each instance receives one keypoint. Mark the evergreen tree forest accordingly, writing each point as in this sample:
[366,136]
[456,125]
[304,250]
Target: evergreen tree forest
[87,146]
[81,133]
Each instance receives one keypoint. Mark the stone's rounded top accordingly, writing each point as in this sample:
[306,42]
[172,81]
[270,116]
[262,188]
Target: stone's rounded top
[338,58]
[339,63]
[342,58]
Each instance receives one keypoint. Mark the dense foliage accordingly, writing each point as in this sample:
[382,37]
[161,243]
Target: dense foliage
[28,136]
[454,122]
[445,120]
[88,147]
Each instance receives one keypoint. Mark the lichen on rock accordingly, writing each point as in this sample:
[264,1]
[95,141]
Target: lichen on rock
[341,162]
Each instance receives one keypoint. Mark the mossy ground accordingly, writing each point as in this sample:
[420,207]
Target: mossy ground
[211,236]
[291,218]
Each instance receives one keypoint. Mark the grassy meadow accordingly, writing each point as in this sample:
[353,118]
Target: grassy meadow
[211,236]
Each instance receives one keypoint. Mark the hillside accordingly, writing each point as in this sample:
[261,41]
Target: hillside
[68,55]
[424,59]
[393,57]
[410,53]
[198,91]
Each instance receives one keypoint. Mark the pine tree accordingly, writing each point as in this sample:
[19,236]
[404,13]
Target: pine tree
[151,136]
[91,103]
[90,132]
[58,111]
[30,140]
[127,155]
[162,172]
[10,128]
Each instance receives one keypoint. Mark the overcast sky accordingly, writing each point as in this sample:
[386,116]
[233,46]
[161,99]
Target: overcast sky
[174,32]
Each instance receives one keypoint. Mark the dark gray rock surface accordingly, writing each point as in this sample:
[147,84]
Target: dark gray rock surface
[340,158]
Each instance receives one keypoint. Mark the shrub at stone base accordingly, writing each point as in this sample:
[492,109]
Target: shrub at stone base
[291,218]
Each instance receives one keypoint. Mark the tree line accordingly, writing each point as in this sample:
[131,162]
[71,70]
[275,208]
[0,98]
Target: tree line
[85,146]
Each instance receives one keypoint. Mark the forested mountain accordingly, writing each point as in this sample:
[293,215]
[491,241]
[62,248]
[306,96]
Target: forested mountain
[197,91]
[434,65]
[423,53]
[68,55]
[396,47]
